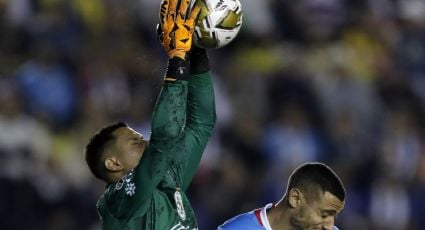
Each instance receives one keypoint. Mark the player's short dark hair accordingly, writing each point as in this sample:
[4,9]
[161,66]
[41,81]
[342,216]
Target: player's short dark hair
[317,175]
[96,146]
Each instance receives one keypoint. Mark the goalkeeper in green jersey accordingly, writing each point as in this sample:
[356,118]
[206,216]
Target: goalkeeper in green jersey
[147,180]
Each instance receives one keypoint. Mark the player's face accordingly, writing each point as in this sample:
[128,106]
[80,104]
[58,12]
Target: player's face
[318,214]
[130,146]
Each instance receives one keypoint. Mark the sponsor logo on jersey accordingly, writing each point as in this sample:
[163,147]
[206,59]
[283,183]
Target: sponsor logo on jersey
[119,184]
[126,182]
[130,189]
[179,226]
[179,204]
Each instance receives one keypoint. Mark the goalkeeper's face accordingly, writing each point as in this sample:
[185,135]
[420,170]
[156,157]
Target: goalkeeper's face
[127,150]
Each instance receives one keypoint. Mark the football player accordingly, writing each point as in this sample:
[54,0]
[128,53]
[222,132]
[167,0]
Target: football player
[314,196]
[147,180]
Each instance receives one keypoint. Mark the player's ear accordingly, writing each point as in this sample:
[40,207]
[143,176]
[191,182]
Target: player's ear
[113,164]
[294,197]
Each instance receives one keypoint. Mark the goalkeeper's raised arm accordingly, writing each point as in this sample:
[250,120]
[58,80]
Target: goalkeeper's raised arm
[146,179]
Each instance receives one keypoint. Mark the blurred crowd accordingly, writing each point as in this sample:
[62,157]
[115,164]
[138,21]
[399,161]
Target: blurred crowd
[336,81]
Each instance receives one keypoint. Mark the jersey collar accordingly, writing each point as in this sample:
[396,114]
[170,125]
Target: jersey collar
[261,215]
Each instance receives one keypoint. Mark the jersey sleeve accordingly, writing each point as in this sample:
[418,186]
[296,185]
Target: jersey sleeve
[133,193]
[246,221]
[201,117]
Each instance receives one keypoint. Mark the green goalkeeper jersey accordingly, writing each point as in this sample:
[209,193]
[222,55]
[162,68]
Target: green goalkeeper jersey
[152,196]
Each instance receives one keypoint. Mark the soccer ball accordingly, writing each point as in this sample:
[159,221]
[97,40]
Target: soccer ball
[218,22]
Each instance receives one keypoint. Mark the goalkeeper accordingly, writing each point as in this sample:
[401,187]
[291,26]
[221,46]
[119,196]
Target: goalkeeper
[147,180]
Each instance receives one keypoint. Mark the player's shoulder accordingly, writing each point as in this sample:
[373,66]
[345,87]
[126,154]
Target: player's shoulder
[101,206]
[107,198]
[335,228]
[246,221]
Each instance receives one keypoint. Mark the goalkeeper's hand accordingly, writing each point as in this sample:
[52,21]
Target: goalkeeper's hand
[177,23]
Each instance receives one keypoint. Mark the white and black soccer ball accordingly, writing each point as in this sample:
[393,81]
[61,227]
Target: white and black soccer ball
[218,22]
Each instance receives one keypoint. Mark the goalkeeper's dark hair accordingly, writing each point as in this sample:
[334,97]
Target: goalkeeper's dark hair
[96,146]
[316,175]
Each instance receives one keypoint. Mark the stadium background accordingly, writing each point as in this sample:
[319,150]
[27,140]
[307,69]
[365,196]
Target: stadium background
[338,81]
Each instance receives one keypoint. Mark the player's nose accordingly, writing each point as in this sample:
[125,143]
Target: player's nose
[139,135]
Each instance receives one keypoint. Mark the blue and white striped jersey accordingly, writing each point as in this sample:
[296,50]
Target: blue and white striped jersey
[253,220]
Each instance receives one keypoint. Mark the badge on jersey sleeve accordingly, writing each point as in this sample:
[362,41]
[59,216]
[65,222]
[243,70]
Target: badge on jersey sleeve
[179,204]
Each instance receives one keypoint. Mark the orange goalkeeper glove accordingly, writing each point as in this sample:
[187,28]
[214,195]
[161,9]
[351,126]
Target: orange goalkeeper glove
[177,23]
